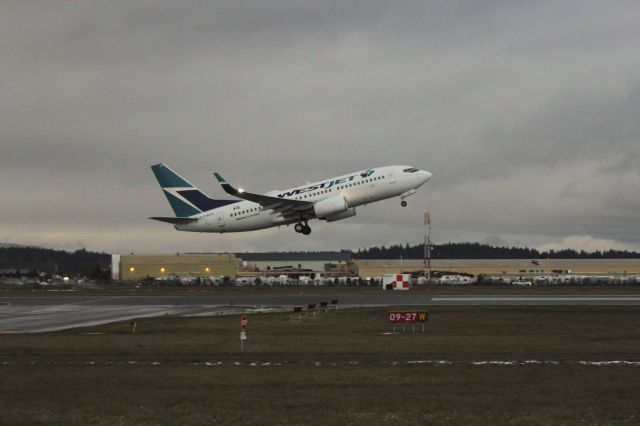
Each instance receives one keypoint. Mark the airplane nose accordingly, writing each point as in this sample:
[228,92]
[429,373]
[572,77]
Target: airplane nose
[425,175]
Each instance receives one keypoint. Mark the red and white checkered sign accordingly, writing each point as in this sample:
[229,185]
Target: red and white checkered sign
[401,282]
[396,282]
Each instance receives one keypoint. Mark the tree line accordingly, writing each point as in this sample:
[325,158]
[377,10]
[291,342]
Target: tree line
[79,262]
[485,251]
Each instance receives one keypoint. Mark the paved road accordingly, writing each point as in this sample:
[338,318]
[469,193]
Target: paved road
[48,313]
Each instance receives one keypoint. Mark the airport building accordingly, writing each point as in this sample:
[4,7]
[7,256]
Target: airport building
[135,267]
[325,264]
[506,267]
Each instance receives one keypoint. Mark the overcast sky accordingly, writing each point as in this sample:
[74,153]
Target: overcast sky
[526,113]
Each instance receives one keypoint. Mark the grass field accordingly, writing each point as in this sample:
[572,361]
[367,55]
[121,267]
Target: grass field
[474,365]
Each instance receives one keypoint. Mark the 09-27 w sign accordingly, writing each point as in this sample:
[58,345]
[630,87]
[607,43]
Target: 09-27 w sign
[407,317]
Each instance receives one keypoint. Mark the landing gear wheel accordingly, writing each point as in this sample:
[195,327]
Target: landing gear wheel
[403,203]
[306,230]
[299,227]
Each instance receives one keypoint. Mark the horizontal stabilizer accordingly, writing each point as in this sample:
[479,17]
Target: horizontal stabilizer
[175,220]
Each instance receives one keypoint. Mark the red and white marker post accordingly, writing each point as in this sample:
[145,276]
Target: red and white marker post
[244,323]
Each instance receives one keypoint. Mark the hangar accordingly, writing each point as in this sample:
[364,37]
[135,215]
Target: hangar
[134,267]
[376,268]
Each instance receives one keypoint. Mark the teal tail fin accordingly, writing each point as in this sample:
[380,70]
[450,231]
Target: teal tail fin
[185,199]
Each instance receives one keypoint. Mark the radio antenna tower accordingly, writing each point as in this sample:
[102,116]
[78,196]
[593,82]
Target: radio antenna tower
[427,247]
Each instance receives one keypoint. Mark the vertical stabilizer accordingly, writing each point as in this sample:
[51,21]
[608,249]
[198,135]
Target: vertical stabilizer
[185,199]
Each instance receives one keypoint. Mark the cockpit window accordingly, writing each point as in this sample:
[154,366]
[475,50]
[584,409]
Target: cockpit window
[411,170]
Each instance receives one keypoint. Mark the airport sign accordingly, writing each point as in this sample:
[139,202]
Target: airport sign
[407,317]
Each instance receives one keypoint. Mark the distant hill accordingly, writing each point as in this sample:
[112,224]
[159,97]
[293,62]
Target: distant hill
[27,259]
[9,245]
[485,251]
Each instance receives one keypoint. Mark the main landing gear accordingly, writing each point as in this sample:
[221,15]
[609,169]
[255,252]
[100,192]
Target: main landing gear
[302,227]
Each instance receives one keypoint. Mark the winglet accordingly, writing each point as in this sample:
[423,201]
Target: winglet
[227,188]
[220,178]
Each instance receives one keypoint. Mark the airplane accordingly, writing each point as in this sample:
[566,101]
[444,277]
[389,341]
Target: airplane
[330,200]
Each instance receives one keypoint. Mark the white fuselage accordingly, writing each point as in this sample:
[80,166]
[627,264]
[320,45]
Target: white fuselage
[359,188]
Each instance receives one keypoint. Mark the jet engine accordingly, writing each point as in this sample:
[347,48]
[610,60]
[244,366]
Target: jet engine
[330,206]
[345,214]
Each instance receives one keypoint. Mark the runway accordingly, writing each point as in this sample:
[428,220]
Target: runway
[31,314]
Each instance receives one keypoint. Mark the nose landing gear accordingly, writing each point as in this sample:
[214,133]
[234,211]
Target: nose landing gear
[404,195]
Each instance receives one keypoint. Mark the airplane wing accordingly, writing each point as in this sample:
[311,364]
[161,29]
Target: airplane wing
[285,206]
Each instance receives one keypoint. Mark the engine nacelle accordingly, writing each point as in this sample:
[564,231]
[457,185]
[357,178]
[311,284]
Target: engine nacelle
[345,214]
[330,206]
